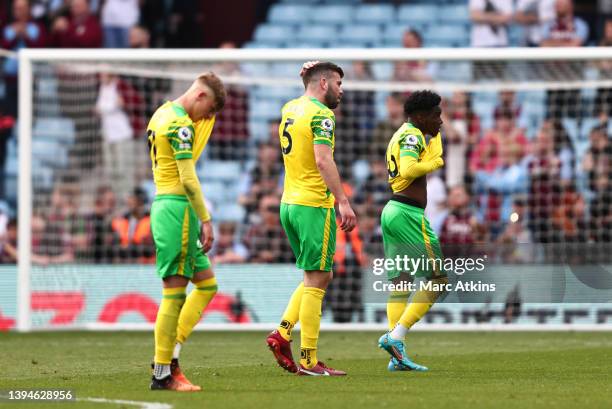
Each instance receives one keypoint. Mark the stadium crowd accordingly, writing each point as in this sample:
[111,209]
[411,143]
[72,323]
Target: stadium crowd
[499,184]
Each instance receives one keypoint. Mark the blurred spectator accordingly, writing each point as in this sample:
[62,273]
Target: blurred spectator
[8,243]
[139,37]
[597,161]
[543,167]
[22,32]
[497,189]
[4,13]
[230,136]
[601,210]
[117,133]
[516,233]
[60,227]
[564,149]
[603,100]
[227,68]
[412,70]
[461,128]
[134,231]
[533,15]
[357,110]
[80,30]
[570,219]
[118,17]
[490,19]
[103,240]
[565,30]
[7,121]
[265,239]
[184,26]
[226,249]
[507,102]
[375,192]
[486,155]
[153,15]
[263,179]
[385,129]
[460,228]
[45,11]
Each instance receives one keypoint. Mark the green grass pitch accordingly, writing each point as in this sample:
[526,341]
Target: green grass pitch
[467,370]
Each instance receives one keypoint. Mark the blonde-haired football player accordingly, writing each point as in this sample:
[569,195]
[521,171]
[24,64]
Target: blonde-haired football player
[178,133]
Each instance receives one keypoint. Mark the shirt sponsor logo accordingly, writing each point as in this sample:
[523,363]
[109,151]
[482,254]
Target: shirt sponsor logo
[184,146]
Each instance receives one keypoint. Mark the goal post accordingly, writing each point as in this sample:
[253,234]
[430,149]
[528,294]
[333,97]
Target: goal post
[59,97]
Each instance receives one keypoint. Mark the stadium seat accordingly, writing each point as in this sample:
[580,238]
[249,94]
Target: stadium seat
[258,129]
[219,170]
[316,32]
[57,129]
[382,70]
[380,105]
[454,14]
[289,13]
[264,44]
[282,93]
[375,13]
[360,171]
[571,127]
[289,70]
[415,13]
[231,212]
[332,14]
[455,71]
[367,33]
[255,69]
[456,35]
[308,44]
[351,44]
[265,109]
[273,33]
[49,153]
[42,177]
[395,32]
[214,191]
[12,165]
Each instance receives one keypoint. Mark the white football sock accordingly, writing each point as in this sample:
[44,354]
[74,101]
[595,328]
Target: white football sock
[399,332]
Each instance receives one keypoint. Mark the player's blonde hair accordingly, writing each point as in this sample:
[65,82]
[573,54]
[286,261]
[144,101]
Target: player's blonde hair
[211,80]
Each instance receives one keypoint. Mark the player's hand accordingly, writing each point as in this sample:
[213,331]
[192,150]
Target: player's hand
[308,65]
[348,220]
[207,236]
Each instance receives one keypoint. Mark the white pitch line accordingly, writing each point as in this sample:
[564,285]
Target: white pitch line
[143,405]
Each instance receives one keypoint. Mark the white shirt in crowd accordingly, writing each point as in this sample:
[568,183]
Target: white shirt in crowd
[486,35]
[120,13]
[544,9]
[115,122]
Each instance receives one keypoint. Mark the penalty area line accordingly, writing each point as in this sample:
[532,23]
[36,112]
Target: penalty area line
[143,405]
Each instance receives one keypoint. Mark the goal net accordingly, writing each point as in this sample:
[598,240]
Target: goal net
[527,167]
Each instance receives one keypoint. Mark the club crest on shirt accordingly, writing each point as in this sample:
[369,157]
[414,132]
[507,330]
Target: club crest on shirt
[184,134]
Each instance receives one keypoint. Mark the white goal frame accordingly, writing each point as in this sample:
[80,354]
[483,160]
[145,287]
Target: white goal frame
[27,57]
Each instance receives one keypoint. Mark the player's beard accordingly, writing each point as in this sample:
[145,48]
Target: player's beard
[331,100]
